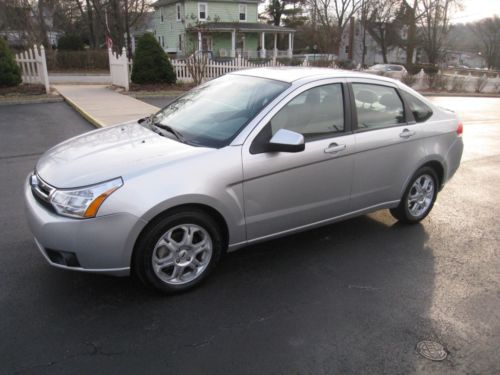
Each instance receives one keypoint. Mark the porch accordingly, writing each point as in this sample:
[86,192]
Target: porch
[248,40]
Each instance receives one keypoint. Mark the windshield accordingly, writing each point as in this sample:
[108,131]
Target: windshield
[212,114]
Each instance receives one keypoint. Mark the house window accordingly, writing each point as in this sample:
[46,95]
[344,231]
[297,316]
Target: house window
[178,11]
[202,11]
[162,41]
[161,15]
[243,12]
[180,42]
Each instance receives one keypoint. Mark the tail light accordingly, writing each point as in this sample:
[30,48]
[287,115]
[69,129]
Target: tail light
[460,128]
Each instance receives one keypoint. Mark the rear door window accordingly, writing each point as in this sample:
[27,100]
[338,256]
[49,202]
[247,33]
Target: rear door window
[377,106]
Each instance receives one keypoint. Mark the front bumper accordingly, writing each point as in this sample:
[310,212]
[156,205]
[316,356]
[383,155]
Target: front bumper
[102,245]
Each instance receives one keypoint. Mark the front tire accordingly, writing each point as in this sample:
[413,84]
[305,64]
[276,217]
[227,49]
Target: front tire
[419,197]
[178,251]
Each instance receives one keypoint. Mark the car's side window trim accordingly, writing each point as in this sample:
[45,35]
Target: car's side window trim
[346,109]
[410,119]
[354,113]
[409,109]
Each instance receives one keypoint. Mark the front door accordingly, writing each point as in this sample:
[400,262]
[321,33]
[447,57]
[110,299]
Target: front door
[206,43]
[286,191]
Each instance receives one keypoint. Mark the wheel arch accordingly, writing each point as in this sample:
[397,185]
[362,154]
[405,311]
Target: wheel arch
[436,164]
[438,168]
[209,210]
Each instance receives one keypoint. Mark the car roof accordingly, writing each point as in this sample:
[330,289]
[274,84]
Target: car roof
[291,74]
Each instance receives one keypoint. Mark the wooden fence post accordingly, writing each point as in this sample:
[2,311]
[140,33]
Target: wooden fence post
[42,70]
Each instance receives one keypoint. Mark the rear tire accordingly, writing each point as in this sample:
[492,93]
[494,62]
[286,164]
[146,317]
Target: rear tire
[177,252]
[418,198]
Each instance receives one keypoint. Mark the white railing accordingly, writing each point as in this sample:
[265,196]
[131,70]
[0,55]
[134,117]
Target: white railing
[34,67]
[119,67]
[215,69]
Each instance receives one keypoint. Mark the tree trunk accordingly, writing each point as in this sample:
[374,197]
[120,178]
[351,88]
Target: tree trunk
[383,47]
[43,27]
[118,41]
[412,31]
[90,24]
[127,31]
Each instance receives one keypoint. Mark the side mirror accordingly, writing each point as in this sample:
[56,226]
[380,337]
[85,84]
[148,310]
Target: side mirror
[286,141]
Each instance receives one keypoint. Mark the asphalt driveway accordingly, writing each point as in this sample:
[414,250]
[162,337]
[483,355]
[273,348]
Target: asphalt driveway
[353,297]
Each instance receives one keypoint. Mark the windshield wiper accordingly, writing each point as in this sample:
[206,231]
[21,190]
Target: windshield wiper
[171,130]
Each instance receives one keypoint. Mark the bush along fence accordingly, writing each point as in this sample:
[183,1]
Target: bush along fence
[200,69]
[34,67]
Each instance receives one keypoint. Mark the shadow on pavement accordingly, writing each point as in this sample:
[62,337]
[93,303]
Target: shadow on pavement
[349,297]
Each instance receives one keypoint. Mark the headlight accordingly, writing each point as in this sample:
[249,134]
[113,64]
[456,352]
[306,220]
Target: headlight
[83,202]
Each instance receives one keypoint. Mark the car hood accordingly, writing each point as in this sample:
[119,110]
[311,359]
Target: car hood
[119,151]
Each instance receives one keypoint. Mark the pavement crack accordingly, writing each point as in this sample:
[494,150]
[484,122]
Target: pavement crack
[8,157]
[95,350]
[363,287]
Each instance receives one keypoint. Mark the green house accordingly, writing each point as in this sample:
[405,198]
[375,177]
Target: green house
[221,28]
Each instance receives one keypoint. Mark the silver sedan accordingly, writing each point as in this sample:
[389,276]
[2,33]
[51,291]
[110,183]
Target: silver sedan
[244,158]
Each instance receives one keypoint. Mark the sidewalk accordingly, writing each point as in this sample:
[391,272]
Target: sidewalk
[103,107]
[80,78]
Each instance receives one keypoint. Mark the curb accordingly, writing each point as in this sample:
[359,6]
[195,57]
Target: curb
[58,99]
[87,116]
[152,95]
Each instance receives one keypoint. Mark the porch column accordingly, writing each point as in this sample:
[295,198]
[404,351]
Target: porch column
[275,52]
[290,45]
[233,43]
[199,42]
[263,45]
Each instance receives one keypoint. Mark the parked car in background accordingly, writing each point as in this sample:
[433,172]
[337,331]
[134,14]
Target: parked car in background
[311,57]
[250,156]
[388,70]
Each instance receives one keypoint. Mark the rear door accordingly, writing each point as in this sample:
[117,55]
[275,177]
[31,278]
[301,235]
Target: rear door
[387,142]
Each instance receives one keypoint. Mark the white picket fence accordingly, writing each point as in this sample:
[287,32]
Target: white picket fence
[34,66]
[215,69]
[120,68]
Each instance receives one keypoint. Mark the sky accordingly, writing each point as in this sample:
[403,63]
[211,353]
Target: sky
[474,10]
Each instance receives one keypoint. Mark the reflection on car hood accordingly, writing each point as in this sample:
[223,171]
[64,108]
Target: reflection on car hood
[121,150]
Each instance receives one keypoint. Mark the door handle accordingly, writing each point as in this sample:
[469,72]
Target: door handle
[407,133]
[334,148]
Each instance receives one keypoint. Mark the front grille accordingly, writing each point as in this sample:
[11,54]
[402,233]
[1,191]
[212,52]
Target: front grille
[41,191]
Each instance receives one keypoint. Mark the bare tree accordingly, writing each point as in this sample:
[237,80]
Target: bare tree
[275,9]
[16,19]
[380,25]
[343,11]
[488,33]
[333,16]
[435,25]
[412,16]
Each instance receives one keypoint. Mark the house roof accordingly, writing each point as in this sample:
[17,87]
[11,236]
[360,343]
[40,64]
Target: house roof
[242,26]
[160,3]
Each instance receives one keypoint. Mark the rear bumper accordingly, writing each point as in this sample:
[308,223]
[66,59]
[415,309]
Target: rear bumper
[100,245]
